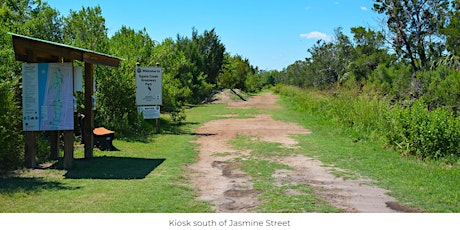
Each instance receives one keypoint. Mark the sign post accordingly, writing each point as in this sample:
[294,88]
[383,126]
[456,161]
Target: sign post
[149,92]
[148,86]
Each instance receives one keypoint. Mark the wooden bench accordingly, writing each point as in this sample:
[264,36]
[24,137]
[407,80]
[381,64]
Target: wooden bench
[103,139]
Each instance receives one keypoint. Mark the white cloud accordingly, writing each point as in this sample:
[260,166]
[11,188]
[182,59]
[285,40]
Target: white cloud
[317,35]
[363,8]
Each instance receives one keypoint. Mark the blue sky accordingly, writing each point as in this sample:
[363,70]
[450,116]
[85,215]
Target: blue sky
[272,34]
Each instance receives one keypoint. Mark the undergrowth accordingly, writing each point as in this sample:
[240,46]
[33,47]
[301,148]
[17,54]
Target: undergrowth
[410,129]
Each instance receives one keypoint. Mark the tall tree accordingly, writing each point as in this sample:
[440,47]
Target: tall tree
[452,31]
[235,72]
[86,29]
[415,26]
[205,51]
[32,18]
[205,56]
[322,64]
[44,23]
[213,51]
[297,74]
[116,91]
[370,52]
[328,61]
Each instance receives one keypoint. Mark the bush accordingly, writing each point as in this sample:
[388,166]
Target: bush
[11,141]
[116,105]
[441,87]
[393,81]
[427,135]
[412,129]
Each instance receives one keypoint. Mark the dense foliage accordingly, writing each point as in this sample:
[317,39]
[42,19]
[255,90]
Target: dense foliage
[10,128]
[411,130]
[411,65]
[192,68]
[400,85]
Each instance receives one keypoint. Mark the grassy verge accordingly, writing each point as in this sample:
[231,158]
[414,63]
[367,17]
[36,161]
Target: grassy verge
[146,175]
[141,177]
[427,185]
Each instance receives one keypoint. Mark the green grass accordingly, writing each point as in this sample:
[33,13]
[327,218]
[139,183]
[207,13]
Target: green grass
[426,185]
[146,175]
[141,177]
[149,175]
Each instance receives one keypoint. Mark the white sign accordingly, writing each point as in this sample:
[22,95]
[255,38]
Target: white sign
[78,78]
[148,86]
[47,96]
[149,112]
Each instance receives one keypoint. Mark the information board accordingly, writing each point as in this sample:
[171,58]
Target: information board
[148,86]
[150,112]
[47,96]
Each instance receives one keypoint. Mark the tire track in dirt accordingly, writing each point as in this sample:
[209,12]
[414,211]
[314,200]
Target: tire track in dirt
[219,180]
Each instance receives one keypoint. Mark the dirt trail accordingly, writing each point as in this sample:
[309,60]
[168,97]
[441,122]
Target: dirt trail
[230,190]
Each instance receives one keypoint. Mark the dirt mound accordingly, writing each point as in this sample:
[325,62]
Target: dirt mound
[226,96]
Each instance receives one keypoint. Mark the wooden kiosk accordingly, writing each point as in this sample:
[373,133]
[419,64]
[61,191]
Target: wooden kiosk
[32,50]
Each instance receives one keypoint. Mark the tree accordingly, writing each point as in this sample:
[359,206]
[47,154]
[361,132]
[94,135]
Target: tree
[344,51]
[44,23]
[116,91]
[415,26]
[297,74]
[86,29]
[452,31]
[370,52]
[175,93]
[205,54]
[32,18]
[235,72]
[213,50]
[367,41]
[10,128]
[328,61]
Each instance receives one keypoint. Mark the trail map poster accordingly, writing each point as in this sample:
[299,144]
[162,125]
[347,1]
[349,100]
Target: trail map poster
[47,96]
[148,86]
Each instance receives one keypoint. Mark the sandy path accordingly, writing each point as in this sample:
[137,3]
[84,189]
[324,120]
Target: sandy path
[230,190]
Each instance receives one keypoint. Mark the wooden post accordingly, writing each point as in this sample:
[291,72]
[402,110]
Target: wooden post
[68,148]
[158,125]
[89,114]
[54,145]
[30,149]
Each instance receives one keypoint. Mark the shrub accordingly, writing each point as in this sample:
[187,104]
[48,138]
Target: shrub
[116,106]
[411,129]
[441,87]
[11,140]
[426,134]
[393,81]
